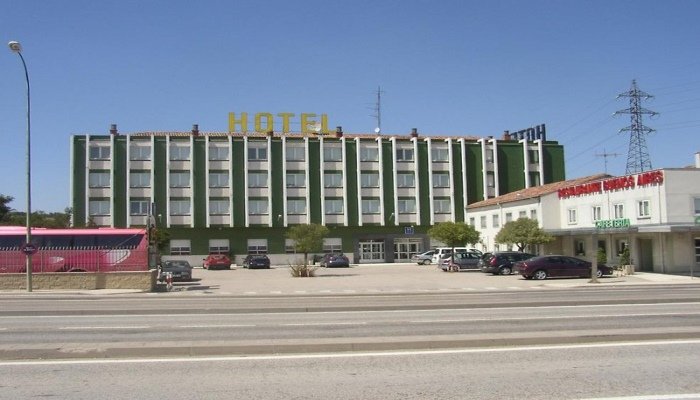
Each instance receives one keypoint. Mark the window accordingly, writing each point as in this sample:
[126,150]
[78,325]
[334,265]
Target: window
[597,213]
[490,179]
[99,179]
[580,247]
[643,210]
[140,153]
[290,246]
[295,153]
[442,206]
[489,155]
[219,207]
[257,246]
[138,207]
[620,246]
[407,206]
[257,207]
[404,154]
[332,245]
[370,206]
[509,217]
[496,224]
[218,153]
[99,152]
[218,179]
[296,206]
[533,214]
[296,179]
[483,221]
[439,154]
[332,153]
[522,214]
[619,210]
[571,212]
[441,180]
[180,179]
[535,179]
[533,156]
[180,247]
[472,222]
[405,180]
[180,207]
[697,206]
[257,153]
[334,206]
[139,179]
[332,179]
[369,154]
[218,246]
[98,207]
[257,179]
[369,179]
[697,250]
[179,153]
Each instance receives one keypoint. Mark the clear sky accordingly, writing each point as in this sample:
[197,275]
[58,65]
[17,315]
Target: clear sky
[445,67]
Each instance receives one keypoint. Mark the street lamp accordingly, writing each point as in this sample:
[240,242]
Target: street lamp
[17,48]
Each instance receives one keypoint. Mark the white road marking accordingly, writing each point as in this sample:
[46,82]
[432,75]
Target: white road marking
[326,323]
[431,321]
[217,326]
[651,397]
[86,328]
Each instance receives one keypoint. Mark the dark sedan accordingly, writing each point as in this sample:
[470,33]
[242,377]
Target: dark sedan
[558,266]
[501,263]
[256,261]
[180,270]
[334,260]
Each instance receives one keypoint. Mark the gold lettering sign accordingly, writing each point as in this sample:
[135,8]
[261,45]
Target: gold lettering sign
[265,122]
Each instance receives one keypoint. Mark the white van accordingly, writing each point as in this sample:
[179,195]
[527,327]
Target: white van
[441,251]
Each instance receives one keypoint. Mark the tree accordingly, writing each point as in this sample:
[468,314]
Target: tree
[523,232]
[454,234]
[4,208]
[307,238]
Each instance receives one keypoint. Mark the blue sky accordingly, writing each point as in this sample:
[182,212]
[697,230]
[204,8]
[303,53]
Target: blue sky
[445,68]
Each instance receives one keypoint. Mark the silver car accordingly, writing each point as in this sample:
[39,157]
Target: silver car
[423,258]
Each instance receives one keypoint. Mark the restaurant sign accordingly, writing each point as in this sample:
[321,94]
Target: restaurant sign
[613,223]
[612,184]
[264,122]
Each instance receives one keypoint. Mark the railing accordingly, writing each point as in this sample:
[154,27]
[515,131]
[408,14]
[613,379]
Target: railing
[80,259]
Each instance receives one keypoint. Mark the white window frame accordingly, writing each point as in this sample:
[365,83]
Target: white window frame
[405,180]
[180,207]
[218,179]
[99,207]
[440,154]
[257,179]
[643,209]
[495,220]
[100,152]
[99,179]
[139,153]
[369,153]
[179,152]
[596,213]
[296,179]
[509,217]
[371,206]
[407,206]
[522,214]
[441,180]
[296,206]
[141,205]
[404,154]
[258,207]
[619,211]
[218,153]
[333,206]
[333,179]
[179,179]
[219,207]
[572,216]
[295,153]
[332,153]
[257,153]
[442,206]
[139,179]
[369,179]
[482,221]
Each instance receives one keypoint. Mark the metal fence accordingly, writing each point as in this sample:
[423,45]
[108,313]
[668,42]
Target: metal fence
[75,259]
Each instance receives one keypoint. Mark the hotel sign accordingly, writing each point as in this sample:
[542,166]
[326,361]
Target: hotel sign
[264,122]
[609,185]
[613,223]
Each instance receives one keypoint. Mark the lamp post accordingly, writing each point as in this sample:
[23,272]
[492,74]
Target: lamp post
[17,48]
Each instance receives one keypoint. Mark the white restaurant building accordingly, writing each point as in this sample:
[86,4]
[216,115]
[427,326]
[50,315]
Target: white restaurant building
[656,213]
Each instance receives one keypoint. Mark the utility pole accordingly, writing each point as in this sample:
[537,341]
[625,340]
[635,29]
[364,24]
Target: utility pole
[638,159]
[605,158]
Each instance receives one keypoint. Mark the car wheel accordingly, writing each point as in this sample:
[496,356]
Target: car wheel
[599,273]
[540,274]
[504,271]
[425,262]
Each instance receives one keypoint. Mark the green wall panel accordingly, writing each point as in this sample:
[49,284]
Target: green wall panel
[277,184]
[199,182]
[314,165]
[458,190]
[475,179]
[388,183]
[119,182]
[554,169]
[511,166]
[423,183]
[351,181]
[160,184]
[238,162]
[79,189]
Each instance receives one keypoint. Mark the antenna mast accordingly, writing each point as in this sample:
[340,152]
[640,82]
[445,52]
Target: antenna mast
[638,159]
[378,110]
[605,158]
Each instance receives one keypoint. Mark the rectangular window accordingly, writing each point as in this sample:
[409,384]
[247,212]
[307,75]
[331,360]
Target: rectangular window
[295,153]
[218,153]
[218,179]
[138,207]
[180,207]
[441,180]
[697,206]
[597,213]
[257,179]
[489,155]
[257,207]
[218,246]
[533,156]
[697,250]
[619,210]
[483,221]
[406,206]
[490,179]
[442,206]
[180,247]
[369,179]
[99,152]
[332,245]
[509,217]
[643,209]
[472,222]
[219,207]
[369,154]
[334,206]
[370,206]
[404,154]
[332,153]
[496,223]
[179,179]
[179,153]
[139,179]
[522,214]
[296,179]
[290,246]
[572,217]
[257,153]
[332,179]
[140,153]
[533,214]
[257,246]
[439,154]
[99,179]
[405,180]
[98,207]
[296,206]
[580,247]
[620,246]
[535,179]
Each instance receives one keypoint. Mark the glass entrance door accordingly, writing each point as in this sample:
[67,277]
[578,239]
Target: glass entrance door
[372,251]
[405,248]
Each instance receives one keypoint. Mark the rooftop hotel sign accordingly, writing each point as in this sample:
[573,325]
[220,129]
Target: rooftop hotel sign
[264,122]
[609,185]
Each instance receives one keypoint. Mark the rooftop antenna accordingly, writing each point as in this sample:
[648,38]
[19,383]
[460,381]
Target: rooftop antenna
[378,111]
[605,158]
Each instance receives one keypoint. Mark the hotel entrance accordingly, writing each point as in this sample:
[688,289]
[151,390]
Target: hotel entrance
[371,251]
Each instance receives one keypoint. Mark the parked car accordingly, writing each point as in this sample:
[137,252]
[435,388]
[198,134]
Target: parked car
[461,261]
[217,261]
[441,251]
[256,261]
[501,262]
[334,260]
[180,269]
[424,258]
[555,265]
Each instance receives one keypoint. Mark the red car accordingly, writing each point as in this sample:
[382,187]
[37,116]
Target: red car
[546,266]
[217,261]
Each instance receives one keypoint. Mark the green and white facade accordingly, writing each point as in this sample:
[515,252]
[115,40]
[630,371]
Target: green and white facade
[238,193]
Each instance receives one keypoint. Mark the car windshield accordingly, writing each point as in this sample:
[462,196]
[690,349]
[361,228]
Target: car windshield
[175,264]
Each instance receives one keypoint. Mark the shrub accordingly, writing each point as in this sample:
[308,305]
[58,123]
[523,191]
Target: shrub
[625,257]
[601,256]
[302,270]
